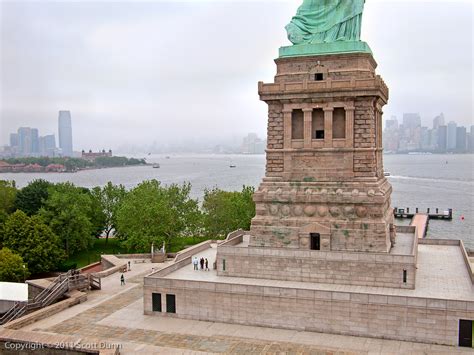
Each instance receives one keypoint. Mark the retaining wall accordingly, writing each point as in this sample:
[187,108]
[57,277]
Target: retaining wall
[76,297]
[110,265]
[363,269]
[369,315]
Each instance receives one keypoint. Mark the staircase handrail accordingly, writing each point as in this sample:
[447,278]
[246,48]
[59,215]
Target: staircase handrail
[13,312]
[52,285]
[61,288]
[58,287]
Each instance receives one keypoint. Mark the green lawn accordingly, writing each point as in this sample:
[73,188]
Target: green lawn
[87,257]
[113,246]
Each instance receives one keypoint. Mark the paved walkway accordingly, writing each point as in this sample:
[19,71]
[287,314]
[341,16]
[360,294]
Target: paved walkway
[115,314]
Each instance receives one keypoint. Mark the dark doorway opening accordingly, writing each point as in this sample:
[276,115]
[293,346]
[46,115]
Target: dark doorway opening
[319,77]
[315,241]
[156,302]
[170,303]
[319,134]
[465,333]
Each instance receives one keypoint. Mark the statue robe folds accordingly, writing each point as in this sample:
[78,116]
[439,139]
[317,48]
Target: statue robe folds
[325,21]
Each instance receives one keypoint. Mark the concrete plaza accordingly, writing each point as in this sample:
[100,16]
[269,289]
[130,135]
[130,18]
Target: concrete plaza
[115,314]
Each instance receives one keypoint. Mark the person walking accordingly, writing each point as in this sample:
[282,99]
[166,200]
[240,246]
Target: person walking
[195,263]
[129,269]
[206,262]
[122,280]
[202,263]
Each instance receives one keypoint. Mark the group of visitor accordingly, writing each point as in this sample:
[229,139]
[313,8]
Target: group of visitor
[203,262]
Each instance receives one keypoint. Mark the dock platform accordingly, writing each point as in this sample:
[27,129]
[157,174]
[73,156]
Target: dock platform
[407,213]
[420,221]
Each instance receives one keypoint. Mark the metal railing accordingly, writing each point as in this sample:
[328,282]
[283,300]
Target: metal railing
[60,285]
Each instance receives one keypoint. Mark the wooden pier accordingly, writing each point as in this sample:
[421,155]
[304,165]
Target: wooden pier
[407,213]
[420,221]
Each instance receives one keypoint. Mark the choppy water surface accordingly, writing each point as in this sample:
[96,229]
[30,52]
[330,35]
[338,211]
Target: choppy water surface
[435,181]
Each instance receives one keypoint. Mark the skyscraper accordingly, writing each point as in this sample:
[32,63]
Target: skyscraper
[461,139]
[24,140]
[34,141]
[391,124]
[452,128]
[471,140]
[14,140]
[438,121]
[411,120]
[442,138]
[47,145]
[65,133]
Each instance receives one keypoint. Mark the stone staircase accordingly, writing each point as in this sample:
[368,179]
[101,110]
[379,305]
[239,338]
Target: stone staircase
[63,284]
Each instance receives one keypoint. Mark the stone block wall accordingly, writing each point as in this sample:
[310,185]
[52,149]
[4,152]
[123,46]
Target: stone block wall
[332,182]
[358,269]
[361,314]
[320,166]
[367,156]
[349,216]
[335,67]
[275,140]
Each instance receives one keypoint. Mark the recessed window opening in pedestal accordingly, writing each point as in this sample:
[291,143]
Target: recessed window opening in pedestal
[315,241]
[339,123]
[170,304]
[465,333]
[319,77]
[156,302]
[297,124]
[405,273]
[318,123]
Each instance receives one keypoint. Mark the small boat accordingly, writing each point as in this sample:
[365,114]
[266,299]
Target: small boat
[232,166]
[387,174]
[156,166]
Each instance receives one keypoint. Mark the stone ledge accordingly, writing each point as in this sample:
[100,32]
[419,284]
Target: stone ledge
[424,320]
[111,264]
[310,294]
[184,254]
[75,297]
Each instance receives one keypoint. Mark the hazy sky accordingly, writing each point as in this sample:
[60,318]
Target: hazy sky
[144,71]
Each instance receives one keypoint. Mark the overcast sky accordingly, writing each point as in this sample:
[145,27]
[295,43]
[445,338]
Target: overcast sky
[138,72]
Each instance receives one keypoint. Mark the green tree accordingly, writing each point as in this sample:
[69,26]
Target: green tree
[3,218]
[12,268]
[8,193]
[96,214]
[34,241]
[68,212]
[110,198]
[31,198]
[151,213]
[225,212]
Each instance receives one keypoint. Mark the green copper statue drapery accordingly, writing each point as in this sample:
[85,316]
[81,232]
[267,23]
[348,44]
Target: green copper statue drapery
[326,21]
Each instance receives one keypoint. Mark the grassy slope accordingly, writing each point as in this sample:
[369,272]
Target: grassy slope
[113,246]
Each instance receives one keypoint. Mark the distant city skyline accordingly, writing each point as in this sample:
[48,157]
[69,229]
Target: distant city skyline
[26,141]
[410,135]
[128,82]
